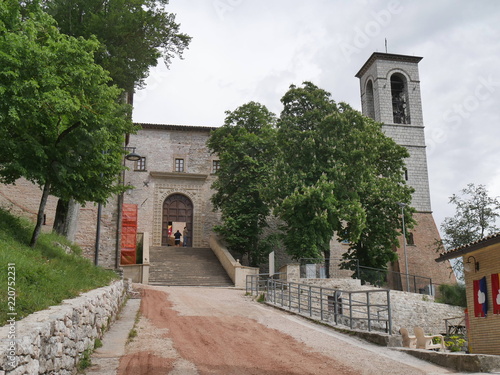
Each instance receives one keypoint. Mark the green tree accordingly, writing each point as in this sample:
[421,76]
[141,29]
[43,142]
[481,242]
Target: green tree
[134,34]
[475,217]
[58,112]
[245,145]
[337,173]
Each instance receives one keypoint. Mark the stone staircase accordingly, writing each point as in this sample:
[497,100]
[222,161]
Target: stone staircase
[186,266]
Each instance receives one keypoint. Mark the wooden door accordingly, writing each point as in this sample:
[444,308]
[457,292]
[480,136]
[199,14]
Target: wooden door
[177,208]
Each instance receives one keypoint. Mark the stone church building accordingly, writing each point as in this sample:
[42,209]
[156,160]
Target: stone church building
[174,175]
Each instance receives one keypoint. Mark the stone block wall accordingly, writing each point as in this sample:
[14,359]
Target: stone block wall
[52,341]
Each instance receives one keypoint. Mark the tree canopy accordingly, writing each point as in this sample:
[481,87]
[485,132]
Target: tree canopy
[337,174]
[133,34]
[475,217]
[245,145]
[61,122]
[323,169]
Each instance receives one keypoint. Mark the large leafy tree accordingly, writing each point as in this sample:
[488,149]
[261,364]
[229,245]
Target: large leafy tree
[337,173]
[246,147]
[475,217]
[61,123]
[134,34]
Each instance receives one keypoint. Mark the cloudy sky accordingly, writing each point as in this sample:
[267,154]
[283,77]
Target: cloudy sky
[252,50]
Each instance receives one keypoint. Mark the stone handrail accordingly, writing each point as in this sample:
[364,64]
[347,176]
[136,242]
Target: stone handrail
[234,269]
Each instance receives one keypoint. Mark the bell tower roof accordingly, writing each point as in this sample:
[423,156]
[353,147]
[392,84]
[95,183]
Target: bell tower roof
[386,56]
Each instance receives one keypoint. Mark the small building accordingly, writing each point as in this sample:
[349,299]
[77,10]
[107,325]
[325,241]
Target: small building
[482,272]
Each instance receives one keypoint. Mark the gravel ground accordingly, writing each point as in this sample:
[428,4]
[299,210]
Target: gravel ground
[185,330]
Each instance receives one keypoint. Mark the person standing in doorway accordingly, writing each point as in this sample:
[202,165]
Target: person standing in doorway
[185,235]
[177,236]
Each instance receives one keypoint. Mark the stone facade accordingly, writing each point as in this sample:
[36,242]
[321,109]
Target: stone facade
[161,145]
[375,82]
[52,341]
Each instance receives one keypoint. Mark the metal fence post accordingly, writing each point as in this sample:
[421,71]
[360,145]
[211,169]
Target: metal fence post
[298,295]
[321,302]
[289,296]
[350,309]
[310,300]
[282,293]
[368,311]
[389,313]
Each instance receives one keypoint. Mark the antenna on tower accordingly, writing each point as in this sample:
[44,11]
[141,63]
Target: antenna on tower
[385,45]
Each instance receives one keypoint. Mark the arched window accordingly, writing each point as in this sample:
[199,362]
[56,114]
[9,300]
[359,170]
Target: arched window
[399,91]
[370,102]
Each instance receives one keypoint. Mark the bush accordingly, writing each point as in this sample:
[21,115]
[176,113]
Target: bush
[452,294]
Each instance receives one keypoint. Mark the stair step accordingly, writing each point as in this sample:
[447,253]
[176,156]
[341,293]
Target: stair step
[186,266]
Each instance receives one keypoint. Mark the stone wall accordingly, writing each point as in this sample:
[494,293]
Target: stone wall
[52,341]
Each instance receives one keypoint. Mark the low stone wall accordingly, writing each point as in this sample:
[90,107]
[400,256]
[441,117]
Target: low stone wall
[52,341]
[234,269]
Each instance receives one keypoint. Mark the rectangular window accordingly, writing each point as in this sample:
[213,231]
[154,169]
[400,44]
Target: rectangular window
[406,174]
[140,165]
[179,165]
[215,166]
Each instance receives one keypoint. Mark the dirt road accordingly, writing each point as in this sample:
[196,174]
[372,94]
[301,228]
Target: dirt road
[188,331]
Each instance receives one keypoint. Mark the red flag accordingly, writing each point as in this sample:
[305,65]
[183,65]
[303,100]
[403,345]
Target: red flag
[480,298]
[495,291]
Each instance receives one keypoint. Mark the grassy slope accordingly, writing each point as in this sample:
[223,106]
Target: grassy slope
[45,275]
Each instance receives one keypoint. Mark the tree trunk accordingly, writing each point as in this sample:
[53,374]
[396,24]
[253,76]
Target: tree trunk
[60,219]
[65,222]
[39,218]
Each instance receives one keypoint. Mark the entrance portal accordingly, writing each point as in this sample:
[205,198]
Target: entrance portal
[177,208]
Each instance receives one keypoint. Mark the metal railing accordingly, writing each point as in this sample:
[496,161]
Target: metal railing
[363,310]
[315,269]
[256,284]
[396,280]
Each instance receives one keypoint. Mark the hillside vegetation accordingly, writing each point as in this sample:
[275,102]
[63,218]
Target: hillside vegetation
[45,275]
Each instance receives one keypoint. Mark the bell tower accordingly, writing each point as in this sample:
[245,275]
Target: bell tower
[390,94]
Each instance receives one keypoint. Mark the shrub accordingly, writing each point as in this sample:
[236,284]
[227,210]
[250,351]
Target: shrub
[452,294]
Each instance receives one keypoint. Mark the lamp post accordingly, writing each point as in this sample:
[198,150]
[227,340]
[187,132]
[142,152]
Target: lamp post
[403,205]
[131,156]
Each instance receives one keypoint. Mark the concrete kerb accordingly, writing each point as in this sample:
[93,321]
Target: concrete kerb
[106,359]
[461,362]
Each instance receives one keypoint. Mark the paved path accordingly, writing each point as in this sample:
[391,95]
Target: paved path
[191,331]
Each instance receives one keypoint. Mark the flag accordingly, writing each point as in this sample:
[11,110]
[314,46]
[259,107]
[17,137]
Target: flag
[495,290]
[480,298]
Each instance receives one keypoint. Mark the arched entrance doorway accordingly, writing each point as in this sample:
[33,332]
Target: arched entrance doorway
[177,208]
